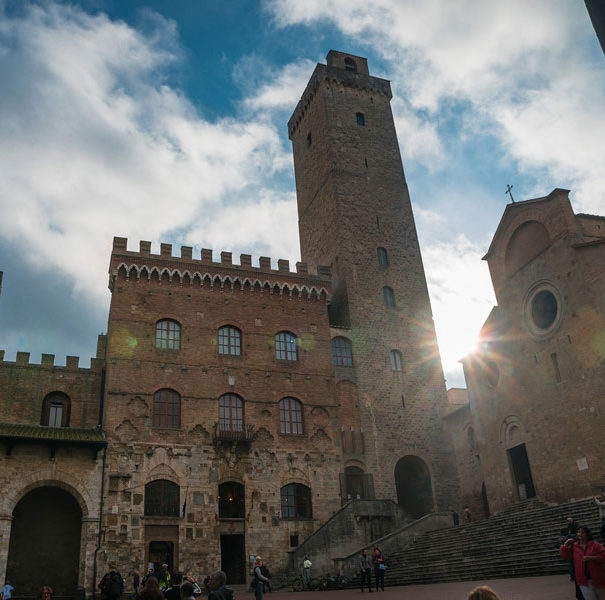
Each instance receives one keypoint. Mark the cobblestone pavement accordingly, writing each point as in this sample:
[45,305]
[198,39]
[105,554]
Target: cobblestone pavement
[553,587]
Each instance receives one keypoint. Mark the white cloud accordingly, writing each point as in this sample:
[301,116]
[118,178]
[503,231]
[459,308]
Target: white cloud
[285,90]
[523,69]
[94,144]
[461,298]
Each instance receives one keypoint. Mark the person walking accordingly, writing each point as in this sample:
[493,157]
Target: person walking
[589,563]
[455,517]
[164,579]
[136,582]
[380,567]
[259,578]
[365,567]
[468,517]
[307,570]
[151,590]
[218,589]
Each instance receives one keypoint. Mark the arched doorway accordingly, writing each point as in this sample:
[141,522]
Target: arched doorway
[413,483]
[44,547]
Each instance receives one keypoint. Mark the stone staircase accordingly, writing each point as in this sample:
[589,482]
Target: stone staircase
[519,542]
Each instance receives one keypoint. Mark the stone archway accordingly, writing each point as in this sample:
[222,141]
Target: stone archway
[413,483]
[44,547]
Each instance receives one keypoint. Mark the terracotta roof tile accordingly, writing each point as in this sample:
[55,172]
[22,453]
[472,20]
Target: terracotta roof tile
[59,434]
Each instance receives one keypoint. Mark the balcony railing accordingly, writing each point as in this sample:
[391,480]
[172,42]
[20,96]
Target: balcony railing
[226,432]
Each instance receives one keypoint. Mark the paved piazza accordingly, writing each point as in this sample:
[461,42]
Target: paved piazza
[554,587]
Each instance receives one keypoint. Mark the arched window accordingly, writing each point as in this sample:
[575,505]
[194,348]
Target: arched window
[166,409]
[296,502]
[383,258]
[162,498]
[290,416]
[361,120]
[230,413]
[231,500]
[286,346]
[350,64]
[396,362]
[55,410]
[229,340]
[341,352]
[389,298]
[167,335]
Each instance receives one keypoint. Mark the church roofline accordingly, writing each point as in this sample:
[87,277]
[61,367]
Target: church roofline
[515,206]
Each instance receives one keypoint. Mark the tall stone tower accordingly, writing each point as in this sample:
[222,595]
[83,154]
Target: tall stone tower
[355,215]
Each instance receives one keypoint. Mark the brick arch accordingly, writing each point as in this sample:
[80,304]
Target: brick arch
[16,490]
[355,463]
[159,469]
[230,474]
[414,484]
[512,431]
[525,243]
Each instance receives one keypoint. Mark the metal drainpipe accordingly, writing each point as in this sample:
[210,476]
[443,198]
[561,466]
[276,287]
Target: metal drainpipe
[100,425]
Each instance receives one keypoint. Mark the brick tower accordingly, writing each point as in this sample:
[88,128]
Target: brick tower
[355,214]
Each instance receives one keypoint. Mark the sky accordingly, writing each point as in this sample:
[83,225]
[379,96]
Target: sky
[166,121]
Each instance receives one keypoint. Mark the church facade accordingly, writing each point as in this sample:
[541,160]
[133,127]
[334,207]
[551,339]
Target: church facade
[232,408]
[535,384]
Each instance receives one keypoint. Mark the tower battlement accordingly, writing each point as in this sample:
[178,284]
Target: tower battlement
[283,265]
[72,363]
[185,269]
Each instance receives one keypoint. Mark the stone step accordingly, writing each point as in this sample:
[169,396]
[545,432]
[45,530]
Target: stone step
[521,541]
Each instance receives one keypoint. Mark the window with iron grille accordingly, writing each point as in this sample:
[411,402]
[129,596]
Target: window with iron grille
[55,410]
[296,502]
[229,341]
[162,498]
[383,257]
[290,416]
[230,413]
[389,298]
[166,409]
[361,120]
[286,346]
[396,363]
[342,355]
[167,335]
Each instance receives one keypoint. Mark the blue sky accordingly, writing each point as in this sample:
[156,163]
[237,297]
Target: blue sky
[166,121]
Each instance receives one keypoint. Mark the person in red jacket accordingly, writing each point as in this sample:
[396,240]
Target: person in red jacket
[589,562]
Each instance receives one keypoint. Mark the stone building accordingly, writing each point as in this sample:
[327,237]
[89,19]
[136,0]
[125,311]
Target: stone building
[232,408]
[536,381]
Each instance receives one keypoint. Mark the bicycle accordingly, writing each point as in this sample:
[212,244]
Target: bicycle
[299,584]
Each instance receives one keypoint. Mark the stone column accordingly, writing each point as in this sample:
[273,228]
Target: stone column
[5,534]
[88,545]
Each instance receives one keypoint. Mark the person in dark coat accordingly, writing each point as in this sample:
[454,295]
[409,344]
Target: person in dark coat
[365,566]
[218,589]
